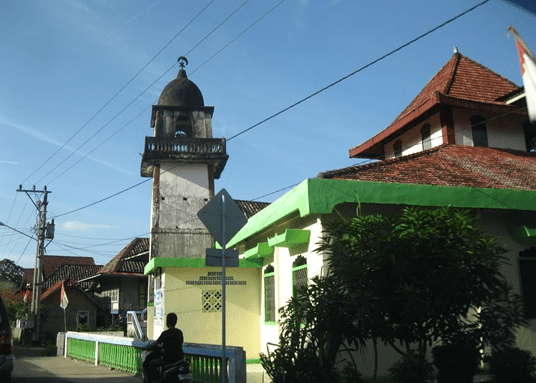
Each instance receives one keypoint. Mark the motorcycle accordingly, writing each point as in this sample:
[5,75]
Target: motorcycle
[177,372]
[180,371]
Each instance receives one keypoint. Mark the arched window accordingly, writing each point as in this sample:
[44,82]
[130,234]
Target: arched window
[480,135]
[299,273]
[269,294]
[397,148]
[425,136]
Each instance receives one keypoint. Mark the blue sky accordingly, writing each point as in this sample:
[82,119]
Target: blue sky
[63,60]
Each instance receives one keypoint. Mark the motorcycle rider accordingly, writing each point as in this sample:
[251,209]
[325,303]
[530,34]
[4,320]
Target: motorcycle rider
[172,340]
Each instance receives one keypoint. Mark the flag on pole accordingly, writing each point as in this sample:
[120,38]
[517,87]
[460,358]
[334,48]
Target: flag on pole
[528,72]
[64,301]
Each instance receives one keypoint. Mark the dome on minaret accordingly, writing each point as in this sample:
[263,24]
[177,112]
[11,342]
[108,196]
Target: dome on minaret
[181,91]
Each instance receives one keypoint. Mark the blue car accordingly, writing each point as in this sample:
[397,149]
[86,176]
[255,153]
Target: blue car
[6,346]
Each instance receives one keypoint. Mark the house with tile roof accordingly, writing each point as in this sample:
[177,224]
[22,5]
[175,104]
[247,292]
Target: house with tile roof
[121,285]
[83,310]
[464,141]
[51,263]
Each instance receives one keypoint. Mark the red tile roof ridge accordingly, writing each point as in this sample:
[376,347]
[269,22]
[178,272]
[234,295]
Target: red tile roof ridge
[456,62]
[513,84]
[443,83]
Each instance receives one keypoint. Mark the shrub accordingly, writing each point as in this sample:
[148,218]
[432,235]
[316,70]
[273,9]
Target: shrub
[49,350]
[412,368]
[511,365]
[456,363]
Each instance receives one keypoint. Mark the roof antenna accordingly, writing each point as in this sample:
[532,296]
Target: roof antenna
[183,61]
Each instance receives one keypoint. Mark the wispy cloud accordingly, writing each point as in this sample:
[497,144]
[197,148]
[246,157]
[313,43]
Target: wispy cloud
[132,19]
[8,162]
[41,137]
[82,226]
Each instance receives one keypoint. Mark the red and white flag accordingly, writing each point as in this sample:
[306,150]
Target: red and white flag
[64,301]
[528,72]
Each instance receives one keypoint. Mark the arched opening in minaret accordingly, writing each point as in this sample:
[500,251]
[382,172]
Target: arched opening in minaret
[183,125]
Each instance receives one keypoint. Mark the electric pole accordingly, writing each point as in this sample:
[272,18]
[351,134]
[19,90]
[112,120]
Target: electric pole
[41,207]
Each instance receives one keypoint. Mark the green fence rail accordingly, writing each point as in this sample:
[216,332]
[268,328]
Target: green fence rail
[125,354]
[120,357]
[81,349]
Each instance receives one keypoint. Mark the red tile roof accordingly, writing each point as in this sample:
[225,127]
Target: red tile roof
[466,79]
[55,287]
[450,165]
[461,81]
[72,274]
[51,263]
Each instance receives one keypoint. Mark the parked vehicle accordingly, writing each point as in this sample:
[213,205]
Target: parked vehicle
[7,358]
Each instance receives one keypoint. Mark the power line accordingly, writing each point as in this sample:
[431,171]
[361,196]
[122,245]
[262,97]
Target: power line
[359,70]
[114,96]
[311,95]
[132,101]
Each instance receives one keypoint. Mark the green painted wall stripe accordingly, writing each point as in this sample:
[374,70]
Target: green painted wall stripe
[164,262]
[320,196]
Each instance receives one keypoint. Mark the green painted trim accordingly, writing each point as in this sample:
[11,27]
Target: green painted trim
[290,238]
[150,304]
[271,323]
[253,361]
[320,196]
[523,234]
[299,267]
[260,251]
[163,262]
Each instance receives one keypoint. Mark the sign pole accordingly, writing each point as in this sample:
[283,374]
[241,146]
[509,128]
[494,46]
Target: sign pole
[223,218]
[223,293]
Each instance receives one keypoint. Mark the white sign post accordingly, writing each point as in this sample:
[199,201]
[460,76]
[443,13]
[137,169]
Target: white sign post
[223,218]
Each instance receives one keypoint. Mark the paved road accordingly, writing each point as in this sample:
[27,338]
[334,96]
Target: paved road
[31,366]
[26,372]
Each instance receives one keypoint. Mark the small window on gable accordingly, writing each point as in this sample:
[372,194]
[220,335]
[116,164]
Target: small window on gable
[397,148]
[425,136]
[480,135]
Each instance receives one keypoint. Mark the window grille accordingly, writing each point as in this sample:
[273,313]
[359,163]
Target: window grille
[299,274]
[212,301]
[269,294]
[425,136]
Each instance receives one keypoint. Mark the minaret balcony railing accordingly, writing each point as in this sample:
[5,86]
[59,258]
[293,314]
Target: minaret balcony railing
[190,146]
[172,149]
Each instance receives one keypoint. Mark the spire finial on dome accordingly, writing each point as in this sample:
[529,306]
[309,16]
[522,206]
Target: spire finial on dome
[183,61]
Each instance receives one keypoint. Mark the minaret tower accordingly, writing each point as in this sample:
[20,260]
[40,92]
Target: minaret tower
[183,159]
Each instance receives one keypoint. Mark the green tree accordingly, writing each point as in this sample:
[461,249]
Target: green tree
[408,280]
[11,274]
[15,306]
[431,274]
[316,325]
